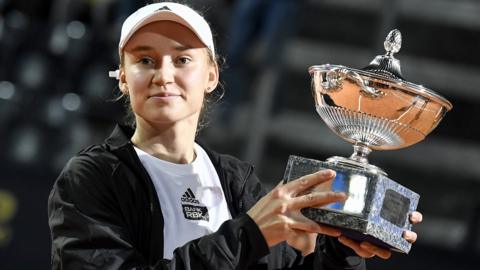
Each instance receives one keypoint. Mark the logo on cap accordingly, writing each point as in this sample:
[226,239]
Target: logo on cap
[164,8]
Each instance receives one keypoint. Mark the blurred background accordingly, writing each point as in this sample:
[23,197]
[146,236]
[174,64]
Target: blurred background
[56,98]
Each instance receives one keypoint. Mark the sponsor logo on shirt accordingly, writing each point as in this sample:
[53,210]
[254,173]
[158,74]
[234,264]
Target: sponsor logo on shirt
[189,197]
[192,209]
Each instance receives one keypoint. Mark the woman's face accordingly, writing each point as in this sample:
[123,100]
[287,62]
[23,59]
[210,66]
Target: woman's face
[166,72]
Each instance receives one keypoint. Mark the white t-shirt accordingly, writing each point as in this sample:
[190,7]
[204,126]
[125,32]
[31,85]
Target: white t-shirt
[191,197]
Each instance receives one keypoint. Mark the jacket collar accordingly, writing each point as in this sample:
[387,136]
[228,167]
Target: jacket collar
[119,143]
[120,137]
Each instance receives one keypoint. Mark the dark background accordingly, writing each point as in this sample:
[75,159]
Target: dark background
[56,98]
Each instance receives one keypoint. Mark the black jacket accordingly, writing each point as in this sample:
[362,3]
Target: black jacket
[104,213]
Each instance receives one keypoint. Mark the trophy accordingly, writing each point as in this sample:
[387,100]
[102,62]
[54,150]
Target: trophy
[374,109]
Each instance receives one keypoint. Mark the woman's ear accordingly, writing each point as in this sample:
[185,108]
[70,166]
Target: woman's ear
[213,77]
[122,82]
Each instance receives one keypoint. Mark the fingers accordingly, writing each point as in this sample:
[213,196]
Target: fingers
[316,199]
[356,247]
[416,217]
[365,249]
[380,252]
[308,181]
[300,222]
[302,241]
[330,231]
[410,236]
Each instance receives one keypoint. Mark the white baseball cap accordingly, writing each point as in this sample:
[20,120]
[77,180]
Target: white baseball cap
[165,11]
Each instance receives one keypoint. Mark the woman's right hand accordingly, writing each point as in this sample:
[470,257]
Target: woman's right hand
[278,214]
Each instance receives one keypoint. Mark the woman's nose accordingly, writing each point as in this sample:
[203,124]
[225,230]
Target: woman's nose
[164,73]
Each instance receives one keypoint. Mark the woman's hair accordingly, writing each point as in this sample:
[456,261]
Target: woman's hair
[210,100]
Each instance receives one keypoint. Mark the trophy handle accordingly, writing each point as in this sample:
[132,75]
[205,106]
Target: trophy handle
[335,76]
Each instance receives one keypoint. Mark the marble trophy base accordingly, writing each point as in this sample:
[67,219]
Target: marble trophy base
[377,209]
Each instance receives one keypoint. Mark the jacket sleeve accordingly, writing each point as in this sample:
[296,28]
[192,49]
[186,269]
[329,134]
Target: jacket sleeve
[329,253]
[89,230]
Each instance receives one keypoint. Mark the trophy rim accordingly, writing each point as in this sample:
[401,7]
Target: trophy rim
[405,85]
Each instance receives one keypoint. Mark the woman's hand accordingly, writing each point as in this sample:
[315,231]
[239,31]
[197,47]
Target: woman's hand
[367,250]
[305,242]
[278,215]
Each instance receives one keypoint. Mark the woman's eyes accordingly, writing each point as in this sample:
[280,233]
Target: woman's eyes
[183,60]
[146,61]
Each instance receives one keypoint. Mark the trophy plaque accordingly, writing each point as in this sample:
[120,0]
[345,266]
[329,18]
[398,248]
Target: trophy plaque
[374,108]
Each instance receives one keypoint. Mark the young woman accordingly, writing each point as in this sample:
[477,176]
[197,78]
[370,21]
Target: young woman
[150,197]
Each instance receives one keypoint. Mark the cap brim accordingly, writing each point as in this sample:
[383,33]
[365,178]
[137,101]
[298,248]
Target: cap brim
[164,15]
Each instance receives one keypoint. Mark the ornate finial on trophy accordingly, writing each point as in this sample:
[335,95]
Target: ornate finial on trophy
[393,42]
[387,65]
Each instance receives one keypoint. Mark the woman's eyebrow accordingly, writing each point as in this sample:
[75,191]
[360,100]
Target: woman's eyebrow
[182,48]
[142,49]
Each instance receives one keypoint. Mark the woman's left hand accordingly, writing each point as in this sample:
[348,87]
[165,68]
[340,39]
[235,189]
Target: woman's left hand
[367,250]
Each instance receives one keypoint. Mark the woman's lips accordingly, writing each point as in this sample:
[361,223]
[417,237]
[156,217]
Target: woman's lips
[165,95]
